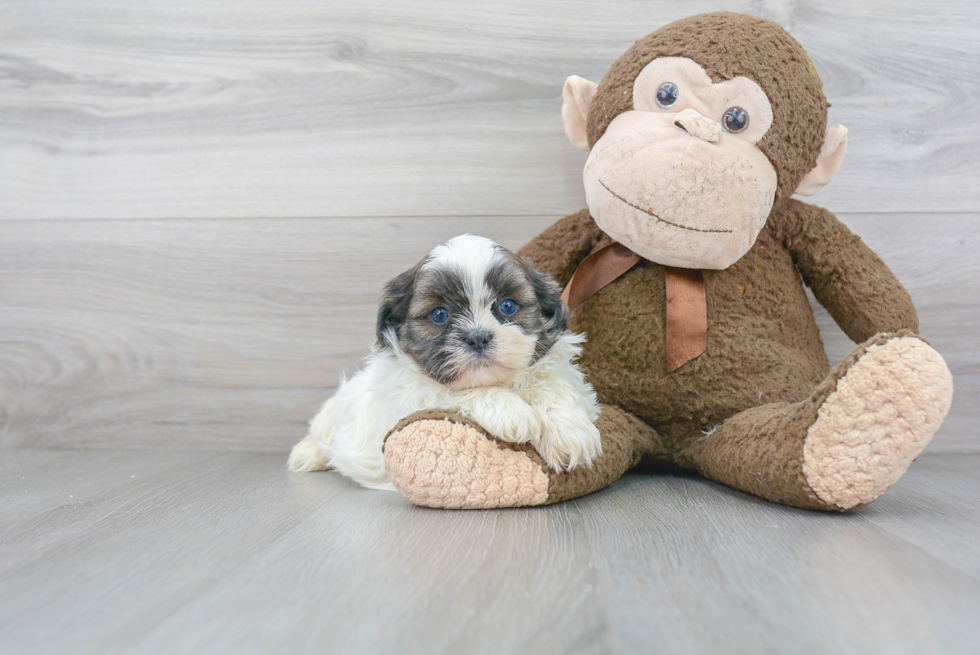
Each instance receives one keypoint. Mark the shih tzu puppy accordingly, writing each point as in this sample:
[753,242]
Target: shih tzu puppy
[471,329]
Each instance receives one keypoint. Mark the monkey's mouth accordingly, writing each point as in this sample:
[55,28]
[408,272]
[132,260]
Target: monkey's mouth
[650,213]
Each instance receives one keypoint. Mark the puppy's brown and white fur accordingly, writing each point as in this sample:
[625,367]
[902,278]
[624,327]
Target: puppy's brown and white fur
[471,329]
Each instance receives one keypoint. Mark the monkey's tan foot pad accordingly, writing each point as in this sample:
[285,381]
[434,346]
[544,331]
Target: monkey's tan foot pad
[883,412]
[450,464]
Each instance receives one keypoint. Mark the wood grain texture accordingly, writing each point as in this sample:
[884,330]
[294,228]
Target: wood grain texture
[161,332]
[758,578]
[936,510]
[221,553]
[390,108]
[230,333]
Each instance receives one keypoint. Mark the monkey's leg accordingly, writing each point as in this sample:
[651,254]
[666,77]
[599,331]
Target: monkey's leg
[846,444]
[439,459]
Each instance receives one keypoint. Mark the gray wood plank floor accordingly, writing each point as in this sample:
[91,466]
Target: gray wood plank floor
[180,552]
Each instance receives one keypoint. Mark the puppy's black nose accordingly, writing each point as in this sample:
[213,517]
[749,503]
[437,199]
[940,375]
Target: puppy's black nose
[478,340]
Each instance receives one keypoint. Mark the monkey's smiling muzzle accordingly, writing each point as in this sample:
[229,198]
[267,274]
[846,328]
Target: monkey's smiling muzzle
[677,189]
[647,211]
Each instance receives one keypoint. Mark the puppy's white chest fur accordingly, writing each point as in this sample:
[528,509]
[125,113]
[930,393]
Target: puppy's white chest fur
[549,405]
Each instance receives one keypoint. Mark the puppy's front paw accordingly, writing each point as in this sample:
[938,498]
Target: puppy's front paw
[503,414]
[569,439]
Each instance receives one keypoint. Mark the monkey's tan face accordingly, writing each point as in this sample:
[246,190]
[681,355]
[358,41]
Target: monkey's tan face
[680,180]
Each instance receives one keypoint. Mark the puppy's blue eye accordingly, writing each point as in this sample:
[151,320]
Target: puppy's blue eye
[508,307]
[439,315]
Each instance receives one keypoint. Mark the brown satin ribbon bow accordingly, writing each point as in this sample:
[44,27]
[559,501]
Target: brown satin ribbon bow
[687,308]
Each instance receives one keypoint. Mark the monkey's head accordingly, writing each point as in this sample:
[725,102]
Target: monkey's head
[697,132]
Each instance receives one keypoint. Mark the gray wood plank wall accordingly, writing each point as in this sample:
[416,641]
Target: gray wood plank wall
[199,201]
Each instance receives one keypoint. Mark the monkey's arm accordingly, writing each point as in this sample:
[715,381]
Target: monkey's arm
[846,276]
[561,248]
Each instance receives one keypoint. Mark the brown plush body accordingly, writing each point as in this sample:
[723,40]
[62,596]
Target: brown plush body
[760,409]
[764,348]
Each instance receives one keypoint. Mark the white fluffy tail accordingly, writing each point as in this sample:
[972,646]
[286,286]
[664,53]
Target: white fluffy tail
[307,454]
[306,457]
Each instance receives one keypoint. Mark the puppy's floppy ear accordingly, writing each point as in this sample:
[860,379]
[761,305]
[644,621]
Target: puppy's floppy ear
[395,299]
[553,310]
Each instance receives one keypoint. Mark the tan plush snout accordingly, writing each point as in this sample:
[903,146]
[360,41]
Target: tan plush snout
[698,126]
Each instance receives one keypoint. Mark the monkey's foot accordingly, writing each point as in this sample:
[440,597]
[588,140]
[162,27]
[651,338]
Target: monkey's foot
[883,412]
[437,459]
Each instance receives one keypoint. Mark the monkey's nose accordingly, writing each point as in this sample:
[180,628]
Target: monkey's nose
[477,340]
[698,126]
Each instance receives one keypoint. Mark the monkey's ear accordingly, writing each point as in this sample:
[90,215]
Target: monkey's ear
[576,99]
[828,161]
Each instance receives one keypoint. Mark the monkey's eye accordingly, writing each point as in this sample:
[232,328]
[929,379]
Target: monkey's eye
[735,120]
[508,307]
[439,315]
[667,94]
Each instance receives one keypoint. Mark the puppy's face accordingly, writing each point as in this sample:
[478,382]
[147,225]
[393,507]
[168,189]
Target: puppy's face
[472,314]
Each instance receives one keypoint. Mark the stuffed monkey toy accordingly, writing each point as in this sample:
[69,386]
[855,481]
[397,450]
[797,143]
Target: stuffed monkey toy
[686,274]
